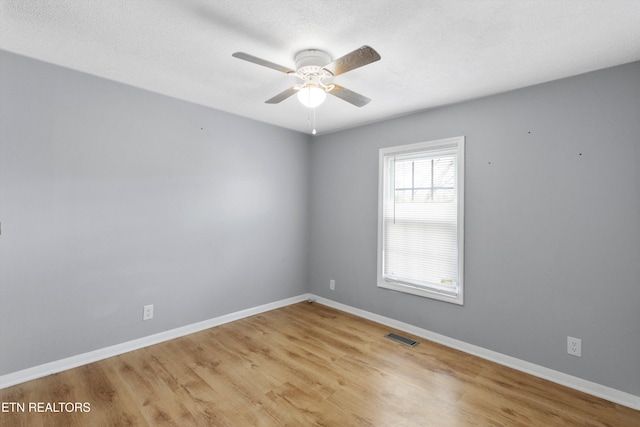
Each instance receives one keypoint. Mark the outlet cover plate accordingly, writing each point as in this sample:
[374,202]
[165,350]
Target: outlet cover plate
[147,312]
[574,346]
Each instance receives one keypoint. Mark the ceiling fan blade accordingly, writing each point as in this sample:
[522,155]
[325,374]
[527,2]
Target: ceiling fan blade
[263,62]
[356,59]
[349,96]
[281,96]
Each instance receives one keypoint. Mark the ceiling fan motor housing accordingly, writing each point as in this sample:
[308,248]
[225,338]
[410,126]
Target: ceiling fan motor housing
[311,61]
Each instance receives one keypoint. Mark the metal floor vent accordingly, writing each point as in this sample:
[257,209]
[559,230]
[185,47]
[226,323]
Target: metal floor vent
[402,340]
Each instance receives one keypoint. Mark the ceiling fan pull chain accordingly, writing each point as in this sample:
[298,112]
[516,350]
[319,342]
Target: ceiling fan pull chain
[313,132]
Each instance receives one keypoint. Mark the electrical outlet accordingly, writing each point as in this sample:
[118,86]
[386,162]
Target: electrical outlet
[332,285]
[147,312]
[574,346]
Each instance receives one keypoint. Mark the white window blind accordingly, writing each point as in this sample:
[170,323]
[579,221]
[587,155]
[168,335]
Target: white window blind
[420,233]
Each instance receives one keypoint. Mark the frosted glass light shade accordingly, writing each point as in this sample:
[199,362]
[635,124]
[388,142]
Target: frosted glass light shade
[311,96]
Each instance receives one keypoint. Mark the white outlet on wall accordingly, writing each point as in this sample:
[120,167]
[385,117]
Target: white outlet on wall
[332,285]
[574,346]
[147,312]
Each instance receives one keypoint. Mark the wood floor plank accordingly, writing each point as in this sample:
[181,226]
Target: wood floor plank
[305,365]
[206,403]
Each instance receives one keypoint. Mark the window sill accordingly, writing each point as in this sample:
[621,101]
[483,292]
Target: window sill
[422,292]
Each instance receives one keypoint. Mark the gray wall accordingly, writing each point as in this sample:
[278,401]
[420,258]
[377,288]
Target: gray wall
[113,197]
[552,223]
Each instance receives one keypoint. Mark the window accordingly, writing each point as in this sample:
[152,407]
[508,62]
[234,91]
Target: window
[420,219]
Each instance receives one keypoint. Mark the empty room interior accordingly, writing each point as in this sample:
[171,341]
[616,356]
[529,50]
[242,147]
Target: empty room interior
[367,213]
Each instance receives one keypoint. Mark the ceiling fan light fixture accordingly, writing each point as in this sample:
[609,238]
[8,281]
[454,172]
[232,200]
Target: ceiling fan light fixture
[311,96]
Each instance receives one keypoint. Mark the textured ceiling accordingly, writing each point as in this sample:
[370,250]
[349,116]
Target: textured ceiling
[434,52]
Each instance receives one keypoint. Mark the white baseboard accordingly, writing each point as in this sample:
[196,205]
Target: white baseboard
[598,390]
[594,389]
[115,350]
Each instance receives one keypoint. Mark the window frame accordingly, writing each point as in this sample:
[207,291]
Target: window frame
[456,144]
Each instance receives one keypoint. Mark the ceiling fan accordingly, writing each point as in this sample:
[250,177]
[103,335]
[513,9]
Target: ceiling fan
[316,70]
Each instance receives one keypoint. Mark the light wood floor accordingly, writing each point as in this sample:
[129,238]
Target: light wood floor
[305,365]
